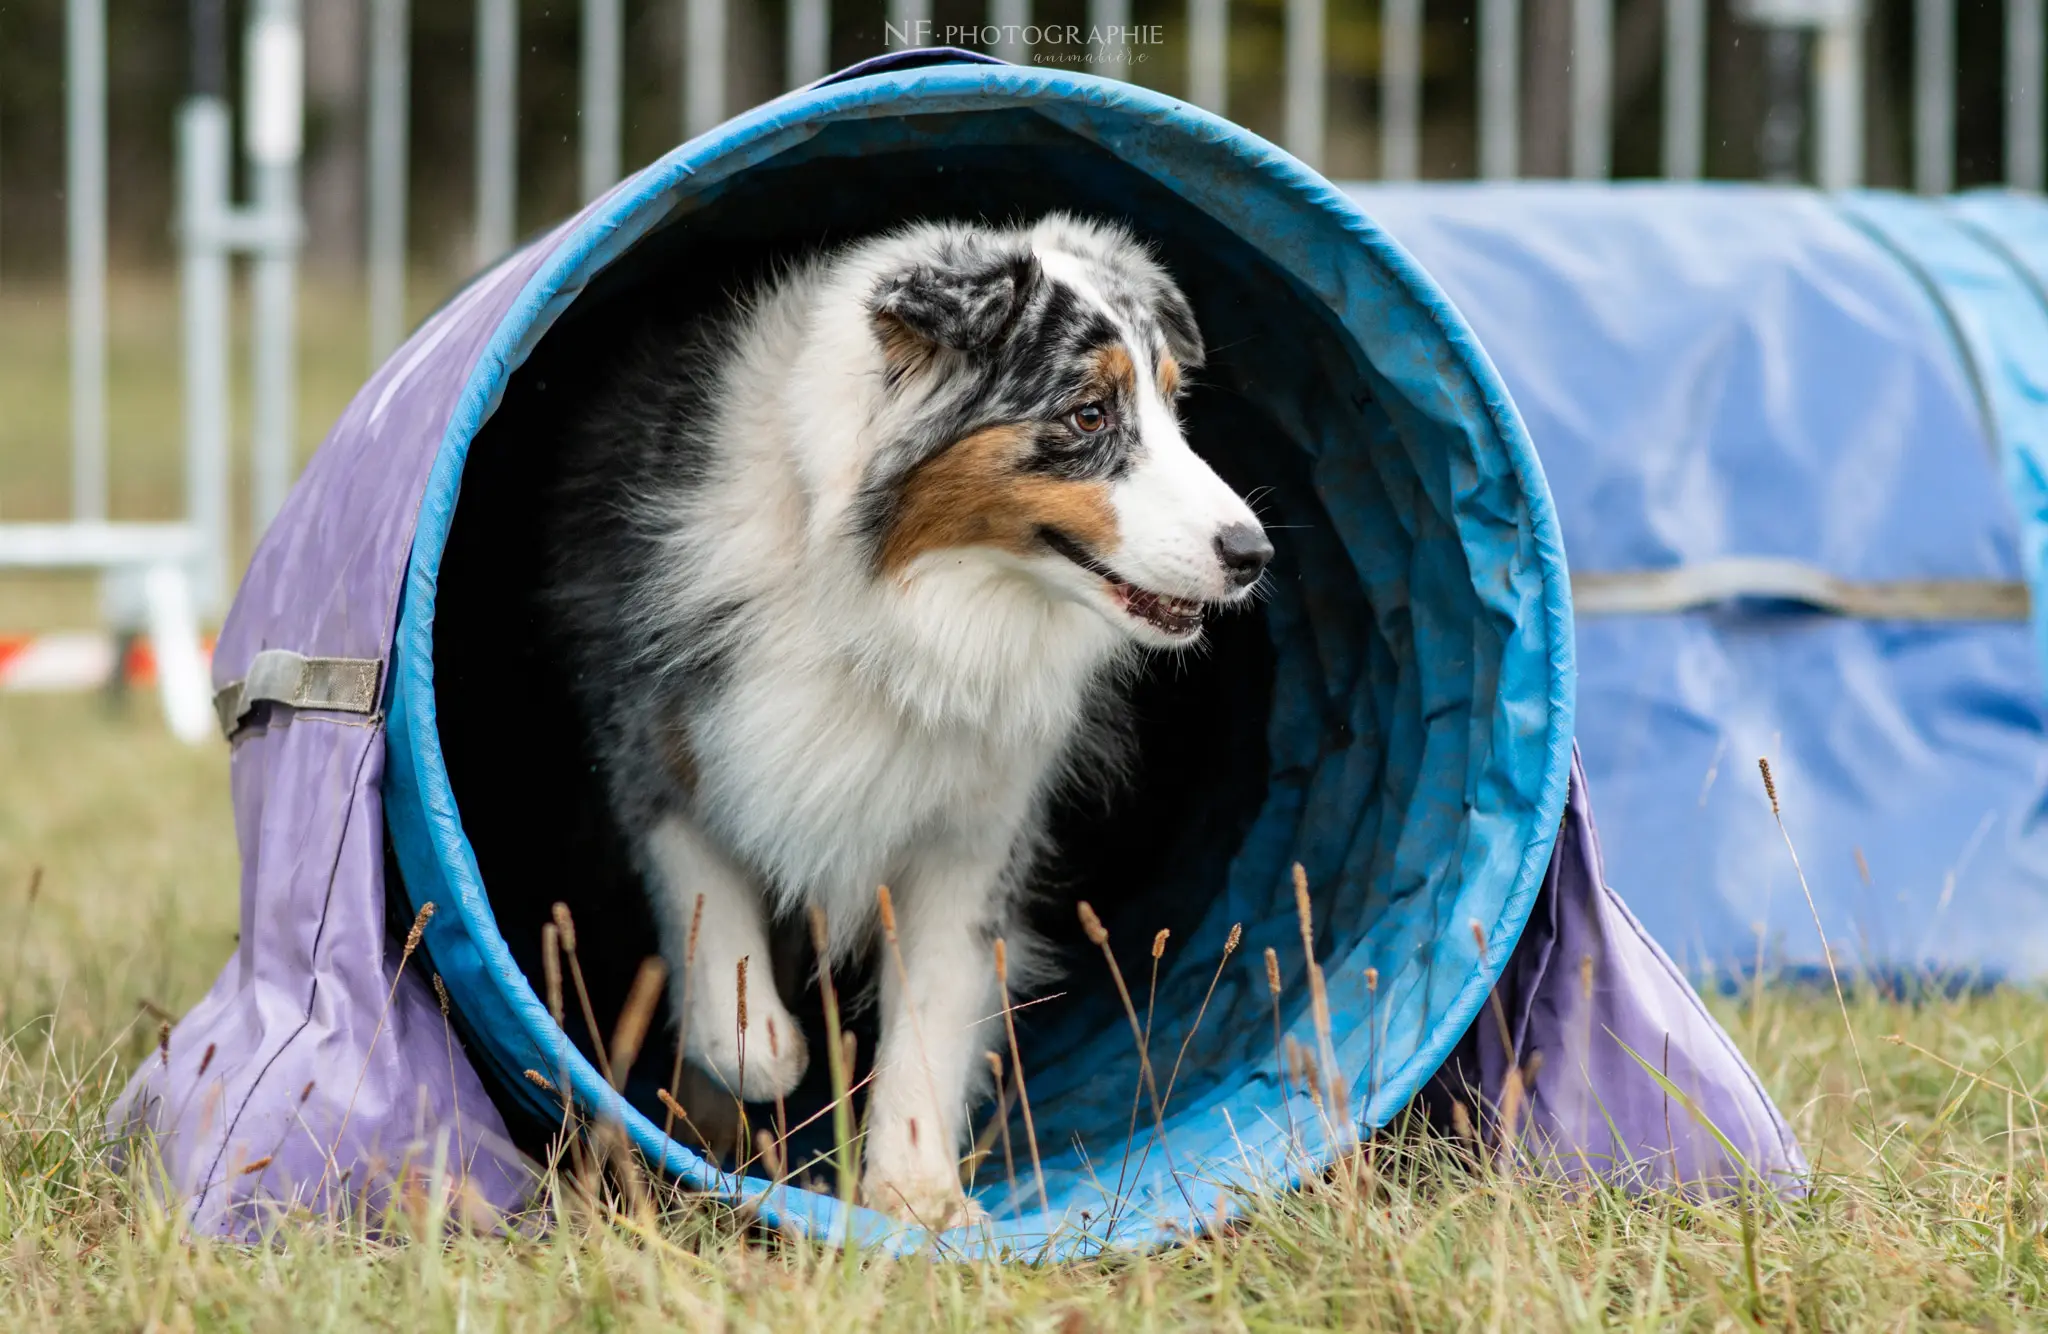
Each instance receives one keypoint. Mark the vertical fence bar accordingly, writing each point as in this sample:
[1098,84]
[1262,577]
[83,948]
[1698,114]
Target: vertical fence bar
[1307,61]
[809,36]
[497,127]
[603,51]
[908,23]
[1400,89]
[274,137]
[1934,95]
[1107,20]
[2023,109]
[85,199]
[1500,88]
[1784,127]
[704,41]
[390,113]
[1209,54]
[1009,18]
[205,142]
[1838,100]
[1685,89]
[1592,87]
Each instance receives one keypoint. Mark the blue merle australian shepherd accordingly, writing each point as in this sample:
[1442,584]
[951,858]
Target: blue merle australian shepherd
[851,580]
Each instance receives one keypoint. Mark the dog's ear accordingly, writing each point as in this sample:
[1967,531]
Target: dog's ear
[962,302]
[1177,323]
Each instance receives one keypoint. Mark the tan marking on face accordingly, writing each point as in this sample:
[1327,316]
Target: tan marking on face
[1113,376]
[974,494]
[1169,375]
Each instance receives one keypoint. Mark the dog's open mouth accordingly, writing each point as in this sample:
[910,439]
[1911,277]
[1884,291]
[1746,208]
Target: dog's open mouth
[1179,617]
[1175,616]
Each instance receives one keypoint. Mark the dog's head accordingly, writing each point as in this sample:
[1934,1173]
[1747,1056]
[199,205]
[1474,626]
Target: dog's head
[1029,382]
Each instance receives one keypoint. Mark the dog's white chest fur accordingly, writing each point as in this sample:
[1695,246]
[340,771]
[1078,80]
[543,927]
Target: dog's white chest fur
[830,770]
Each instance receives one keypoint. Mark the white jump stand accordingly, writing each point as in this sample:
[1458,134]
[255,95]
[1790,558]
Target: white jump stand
[162,555]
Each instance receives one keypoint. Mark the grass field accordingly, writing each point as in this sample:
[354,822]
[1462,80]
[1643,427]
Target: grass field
[117,887]
[1929,1212]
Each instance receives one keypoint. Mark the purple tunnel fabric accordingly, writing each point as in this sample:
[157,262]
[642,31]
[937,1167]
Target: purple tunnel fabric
[1590,1007]
[310,1050]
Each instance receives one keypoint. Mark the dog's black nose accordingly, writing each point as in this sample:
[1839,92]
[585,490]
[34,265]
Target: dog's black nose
[1244,550]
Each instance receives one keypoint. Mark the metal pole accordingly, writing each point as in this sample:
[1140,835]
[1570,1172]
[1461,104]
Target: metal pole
[1934,95]
[1500,88]
[1209,54]
[1009,18]
[497,127]
[703,65]
[1838,101]
[390,112]
[1784,127]
[908,24]
[1592,87]
[1306,62]
[1685,88]
[273,136]
[85,181]
[1107,20]
[2023,109]
[205,140]
[810,41]
[1400,89]
[603,52]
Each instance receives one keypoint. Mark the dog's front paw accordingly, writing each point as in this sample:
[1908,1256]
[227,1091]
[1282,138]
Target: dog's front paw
[773,1064]
[935,1204]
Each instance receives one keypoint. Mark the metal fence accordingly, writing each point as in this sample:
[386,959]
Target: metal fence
[1818,46]
[1815,57]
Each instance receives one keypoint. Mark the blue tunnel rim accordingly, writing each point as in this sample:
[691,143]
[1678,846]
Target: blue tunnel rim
[422,811]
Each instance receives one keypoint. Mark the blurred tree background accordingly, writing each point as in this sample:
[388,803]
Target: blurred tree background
[149,66]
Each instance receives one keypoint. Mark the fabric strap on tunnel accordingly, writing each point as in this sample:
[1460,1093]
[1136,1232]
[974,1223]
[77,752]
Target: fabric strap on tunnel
[1691,587]
[280,676]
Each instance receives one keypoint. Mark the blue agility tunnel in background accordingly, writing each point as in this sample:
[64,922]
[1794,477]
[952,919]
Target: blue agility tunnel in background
[1397,718]
[1799,449]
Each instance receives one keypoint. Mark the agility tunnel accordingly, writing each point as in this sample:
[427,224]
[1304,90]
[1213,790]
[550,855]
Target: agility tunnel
[1397,718]
[1797,443]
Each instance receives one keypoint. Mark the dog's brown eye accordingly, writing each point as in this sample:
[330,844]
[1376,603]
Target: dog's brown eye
[1089,418]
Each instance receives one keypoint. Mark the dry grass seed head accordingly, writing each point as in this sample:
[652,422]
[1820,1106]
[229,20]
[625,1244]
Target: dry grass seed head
[419,928]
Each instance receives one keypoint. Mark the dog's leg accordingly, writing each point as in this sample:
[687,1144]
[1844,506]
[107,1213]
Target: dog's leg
[934,1031]
[733,927]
